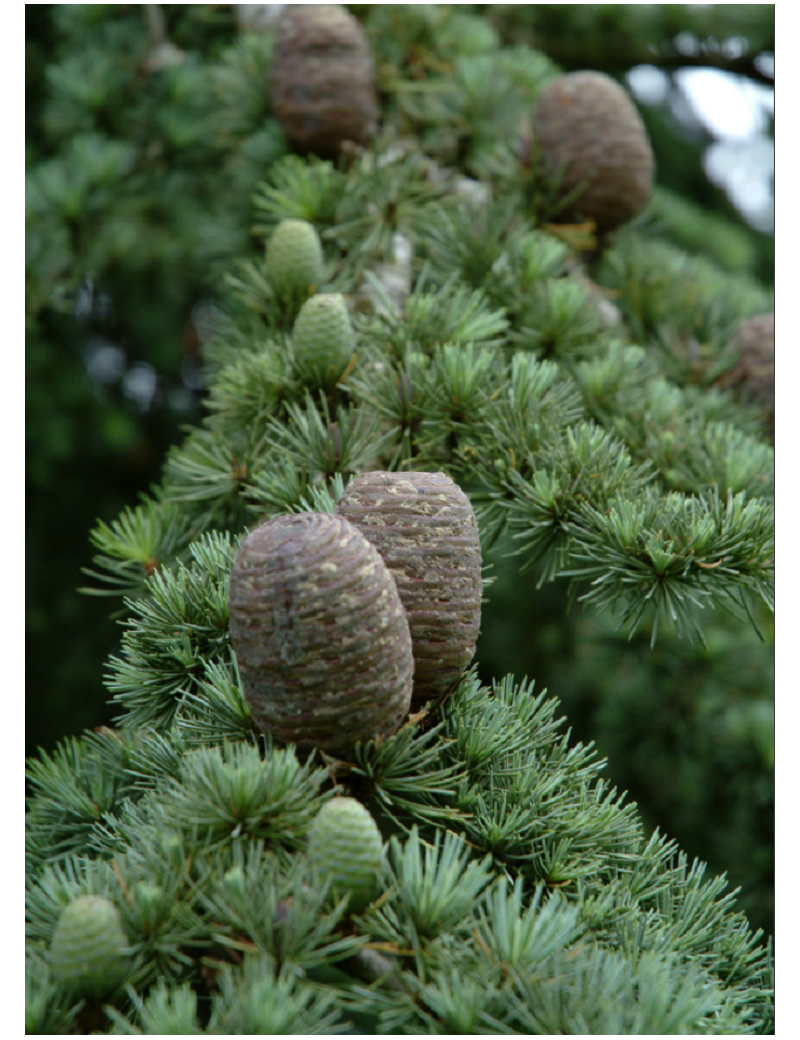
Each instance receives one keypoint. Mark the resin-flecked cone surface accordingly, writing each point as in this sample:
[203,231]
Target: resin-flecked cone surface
[344,844]
[323,79]
[320,634]
[89,953]
[590,133]
[423,526]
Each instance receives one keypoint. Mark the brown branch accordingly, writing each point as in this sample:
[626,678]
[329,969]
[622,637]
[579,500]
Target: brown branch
[615,56]
[742,66]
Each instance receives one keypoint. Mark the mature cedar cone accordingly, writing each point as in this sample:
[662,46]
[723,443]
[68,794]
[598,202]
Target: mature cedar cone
[320,634]
[345,845]
[423,526]
[753,375]
[591,136]
[323,79]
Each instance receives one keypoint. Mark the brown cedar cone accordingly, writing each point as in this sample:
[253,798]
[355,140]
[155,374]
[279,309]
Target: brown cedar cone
[323,79]
[423,526]
[320,634]
[753,375]
[587,124]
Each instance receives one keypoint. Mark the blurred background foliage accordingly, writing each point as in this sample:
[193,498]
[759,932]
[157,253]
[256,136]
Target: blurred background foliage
[148,128]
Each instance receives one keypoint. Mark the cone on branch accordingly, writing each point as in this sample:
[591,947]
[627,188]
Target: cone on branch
[89,954]
[293,263]
[593,141]
[345,845]
[423,526]
[323,340]
[320,634]
[753,375]
[323,80]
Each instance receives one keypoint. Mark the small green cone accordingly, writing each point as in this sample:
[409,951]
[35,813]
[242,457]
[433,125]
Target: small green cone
[149,902]
[294,263]
[345,844]
[323,340]
[89,952]
[234,883]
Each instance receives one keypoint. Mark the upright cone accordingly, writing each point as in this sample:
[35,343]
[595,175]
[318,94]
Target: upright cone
[294,264]
[592,137]
[320,634]
[89,953]
[323,340]
[323,79]
[345,845]
[423,526]
[753,375]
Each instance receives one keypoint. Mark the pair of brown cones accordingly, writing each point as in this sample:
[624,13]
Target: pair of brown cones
[341,623]
[590,134]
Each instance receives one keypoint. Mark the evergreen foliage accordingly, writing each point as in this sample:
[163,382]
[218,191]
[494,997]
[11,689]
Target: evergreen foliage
[510,887]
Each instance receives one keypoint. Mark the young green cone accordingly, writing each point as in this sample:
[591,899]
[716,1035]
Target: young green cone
[89,952]
[345,844]
[323,340]
[294,263]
